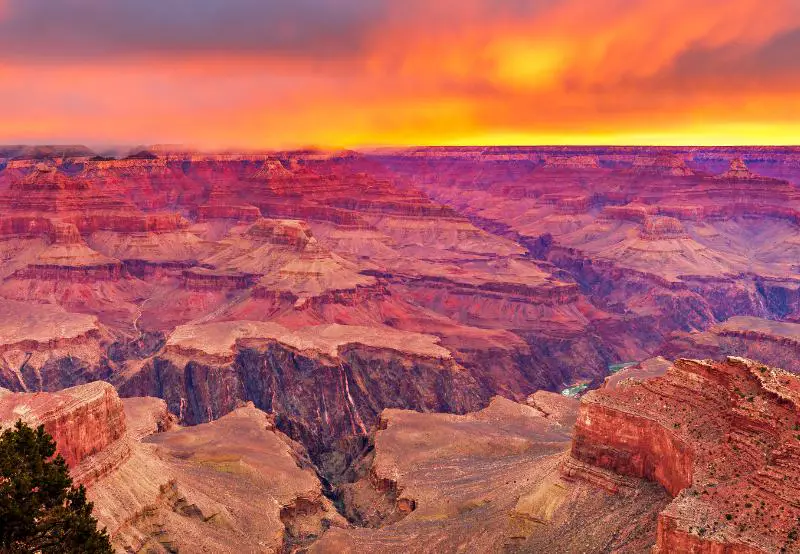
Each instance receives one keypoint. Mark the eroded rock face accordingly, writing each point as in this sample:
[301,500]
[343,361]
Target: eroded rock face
[776,343]
[663,164]
[235,485]
[654,241]
[571,162]
[43,347]
[739,171]
[486,482]
[209,280]
[86,422]
[660,227]
[720,437]
[325,384]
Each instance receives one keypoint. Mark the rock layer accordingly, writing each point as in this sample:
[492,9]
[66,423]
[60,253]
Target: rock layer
[234,485]
[486,482]
[86,422]
[349,372]
[160,489]
[720,437]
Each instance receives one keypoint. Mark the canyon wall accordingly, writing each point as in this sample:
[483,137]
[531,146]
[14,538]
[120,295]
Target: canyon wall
[718,436]
[86,422]
[324,396]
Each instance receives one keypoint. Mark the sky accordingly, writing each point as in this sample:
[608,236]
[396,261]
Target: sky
[348,73]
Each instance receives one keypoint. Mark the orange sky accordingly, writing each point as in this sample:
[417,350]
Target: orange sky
[239,73]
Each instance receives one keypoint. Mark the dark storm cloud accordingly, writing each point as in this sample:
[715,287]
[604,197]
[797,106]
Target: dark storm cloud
[98,28]
[319,29]
[774,63]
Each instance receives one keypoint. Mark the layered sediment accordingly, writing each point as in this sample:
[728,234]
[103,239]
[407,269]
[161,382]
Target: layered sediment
[43,347]
[720,437]
[162,489]
[86,422]
[487,481]
[349,371]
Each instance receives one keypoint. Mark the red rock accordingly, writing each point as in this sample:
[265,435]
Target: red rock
[271,169]
[490,482]
[238,213]
[294,233]
[571,162]
[65,233]
[83,420]
[43,347]
[740,172]
[206,279]
[660,227]
[352,369]
[663,164]
[718,436]
[234,485]
[772,342]
[529,278]
[153,486]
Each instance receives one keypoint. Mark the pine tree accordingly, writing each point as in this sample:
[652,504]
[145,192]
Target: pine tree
[40,509]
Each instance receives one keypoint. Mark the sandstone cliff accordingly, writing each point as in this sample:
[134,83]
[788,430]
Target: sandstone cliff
[326,384]
[87,423]
[719,437]
[161,489]
[235,485]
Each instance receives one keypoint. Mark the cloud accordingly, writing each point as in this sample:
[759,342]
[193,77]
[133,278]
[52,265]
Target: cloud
[252,72]
[80,29]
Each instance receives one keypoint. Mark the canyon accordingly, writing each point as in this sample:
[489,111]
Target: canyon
[349,330]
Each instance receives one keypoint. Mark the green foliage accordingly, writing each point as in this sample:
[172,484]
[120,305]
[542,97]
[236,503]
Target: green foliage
[40,509]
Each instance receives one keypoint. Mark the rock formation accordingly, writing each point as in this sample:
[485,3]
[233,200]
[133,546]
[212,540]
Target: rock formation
[327,287]
[86,422]
[571,162]
[43,347]
[772,342]
[660,227]
[720,437]
[160,489]
[206,370]
[486,482]
[663,164]
[739,171]
[234,485]
[271,169]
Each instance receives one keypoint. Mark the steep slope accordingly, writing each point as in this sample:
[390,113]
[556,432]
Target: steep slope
[486,482]
[87,423]
[326,384]
[233,485]
[720,437]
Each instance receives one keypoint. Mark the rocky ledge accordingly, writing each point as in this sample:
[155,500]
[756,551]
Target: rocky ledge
[44,347]
[721,437]
[87,422]
[234,485]
[487,481]
[343,374]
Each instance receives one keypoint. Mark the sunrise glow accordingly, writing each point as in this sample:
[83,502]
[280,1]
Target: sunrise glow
[350,73]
